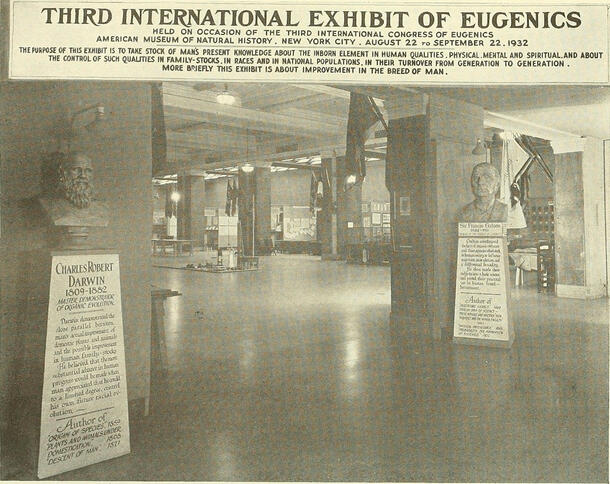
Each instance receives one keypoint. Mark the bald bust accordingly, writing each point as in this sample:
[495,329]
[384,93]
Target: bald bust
[72,203]
[485,181]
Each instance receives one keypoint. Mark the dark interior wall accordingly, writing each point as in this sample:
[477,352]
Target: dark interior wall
[374,187]
[21,150]
[406,162]
[263,206]
[429,163]
[290,188]
[191,207]
[454,127]
[121,154]
[540,185]
[287,188]
[216,193]
[196,206]
[4,38]
[569,220]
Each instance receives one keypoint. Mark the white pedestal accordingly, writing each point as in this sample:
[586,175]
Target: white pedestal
[74,357]
[482,315]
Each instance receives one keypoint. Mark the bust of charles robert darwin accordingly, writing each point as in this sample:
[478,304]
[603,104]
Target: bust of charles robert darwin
[70,202]
[485,181]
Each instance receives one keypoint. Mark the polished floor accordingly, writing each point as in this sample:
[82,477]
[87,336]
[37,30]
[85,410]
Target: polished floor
[294,372]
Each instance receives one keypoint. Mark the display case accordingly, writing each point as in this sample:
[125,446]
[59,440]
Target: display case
[540,217]
[220,230]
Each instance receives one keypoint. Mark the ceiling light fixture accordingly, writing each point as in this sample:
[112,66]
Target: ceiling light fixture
[225,97]
[480,148]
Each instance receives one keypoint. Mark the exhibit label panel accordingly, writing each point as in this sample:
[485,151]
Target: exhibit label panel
[481,299]
[84,416]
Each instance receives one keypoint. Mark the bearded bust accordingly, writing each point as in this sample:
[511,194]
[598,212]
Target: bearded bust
[69,199]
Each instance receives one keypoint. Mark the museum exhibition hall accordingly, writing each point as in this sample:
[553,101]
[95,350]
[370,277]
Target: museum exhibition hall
[306,284]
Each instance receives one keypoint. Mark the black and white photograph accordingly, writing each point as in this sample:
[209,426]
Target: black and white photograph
[317,280]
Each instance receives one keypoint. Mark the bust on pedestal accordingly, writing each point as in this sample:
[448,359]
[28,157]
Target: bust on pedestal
[485,182]
[482,309]
[69,202]
[74,355]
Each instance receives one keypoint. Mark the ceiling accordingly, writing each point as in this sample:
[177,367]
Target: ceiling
[294,122]
[267,119]
[582,110]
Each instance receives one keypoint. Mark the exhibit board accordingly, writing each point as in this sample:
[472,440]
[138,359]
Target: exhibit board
[482,289]
[84,416]
[299,224]
[227,231]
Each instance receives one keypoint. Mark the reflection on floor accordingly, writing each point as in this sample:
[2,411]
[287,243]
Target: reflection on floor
[295,373]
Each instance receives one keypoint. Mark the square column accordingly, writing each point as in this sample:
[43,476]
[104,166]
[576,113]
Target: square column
[341,209]
[254,208]
[262,207]
[349,209]
[191,206]
[428,167]
[328,215]
[579,218]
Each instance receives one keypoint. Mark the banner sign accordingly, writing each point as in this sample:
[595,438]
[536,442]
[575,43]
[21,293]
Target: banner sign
[406,43]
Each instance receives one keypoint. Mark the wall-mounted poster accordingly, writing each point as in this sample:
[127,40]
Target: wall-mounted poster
[158,217]
[376,218]
[276,219]
[405,206]
[298,224]
[386,218]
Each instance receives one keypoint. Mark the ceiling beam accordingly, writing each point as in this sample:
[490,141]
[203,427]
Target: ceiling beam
[340,122]
[375,154]
[196,109]
[304,101]
[222,172]
[265,159]
[282,95]
[300,166]
[279,125]
[509,123]
[211,140]
[322,89]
